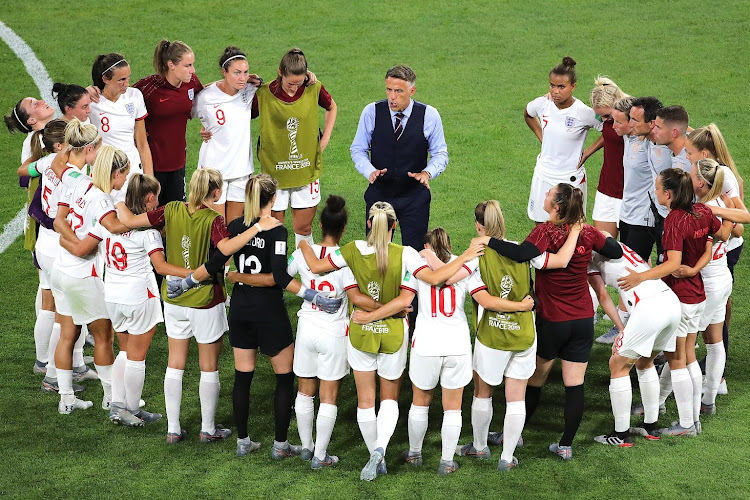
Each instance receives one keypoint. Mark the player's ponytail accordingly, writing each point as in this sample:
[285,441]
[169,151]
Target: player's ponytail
[67,96]
[203,182]
[605,93]
[78,135]
[259,192]
[140,186]
[382,220]
[709,138]
[104,66]
[17,120]
[53,133]
[489,215]
[109,160]
[167,51]
[334,217]
[566,68]
[440,243]
[712,175]
[569,203]
[680,185]
[36,146]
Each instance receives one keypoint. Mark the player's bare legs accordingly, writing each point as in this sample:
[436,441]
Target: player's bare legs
[234,209]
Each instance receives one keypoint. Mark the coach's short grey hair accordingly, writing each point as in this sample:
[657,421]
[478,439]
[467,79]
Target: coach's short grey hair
[402,72]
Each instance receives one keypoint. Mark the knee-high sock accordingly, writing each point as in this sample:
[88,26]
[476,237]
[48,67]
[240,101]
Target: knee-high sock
[324,428]
[78,349]
[417,425]
[532,400]
[621,396]
[208,390]
[515,417]
[450,433]
[282,405]
[299,237]
[65,383]
[118,378]
[665,384]
[716,358]
[45,320]
[304,409]
[105,377]
[648,382]
[54,338]
[173,398]
[574,400]
[135,376]
[241,401]
[368,426]
[38,300]
[387,420]
[481,417]
[696,378]
[683,395]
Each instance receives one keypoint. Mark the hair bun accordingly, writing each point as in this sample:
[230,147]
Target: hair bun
[568,61]
[335,203]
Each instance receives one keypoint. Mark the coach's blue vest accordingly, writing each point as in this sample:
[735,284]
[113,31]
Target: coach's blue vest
[409,154]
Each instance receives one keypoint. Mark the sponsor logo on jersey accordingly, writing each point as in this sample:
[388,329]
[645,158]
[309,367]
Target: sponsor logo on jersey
[186,250]
[191,94]
[280,248]
[75,175]
[407,276]
[130,108]
[373,289]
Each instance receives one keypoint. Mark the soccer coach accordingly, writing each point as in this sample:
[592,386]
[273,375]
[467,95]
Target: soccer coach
[395,137]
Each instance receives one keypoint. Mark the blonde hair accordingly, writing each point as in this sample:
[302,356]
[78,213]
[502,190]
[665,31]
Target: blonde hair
[140,185]
[489,215]
[709,138]
[441,243]
[382,218]
[109,160]
[259,192]
[711,173]
[78,135]
[203,182]
[605,93]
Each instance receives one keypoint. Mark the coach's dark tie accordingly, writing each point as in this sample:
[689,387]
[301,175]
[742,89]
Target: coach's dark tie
[399,128]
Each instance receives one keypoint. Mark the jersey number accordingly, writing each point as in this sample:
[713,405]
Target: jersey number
[252,263]
[438,300]
[631,256]
[544,120]
[315,187]
[47,192]
[720,252]
[323,286]
[116,255]
[220,118]
[105,124]
[73,226]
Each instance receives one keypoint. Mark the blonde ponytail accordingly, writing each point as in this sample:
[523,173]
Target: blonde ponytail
[78,136]
[109,160]
[605,93]
[382,219]
[259,192]
[203,182]
[489,215]
[712,174]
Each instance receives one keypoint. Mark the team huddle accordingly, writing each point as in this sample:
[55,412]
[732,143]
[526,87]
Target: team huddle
[120,248]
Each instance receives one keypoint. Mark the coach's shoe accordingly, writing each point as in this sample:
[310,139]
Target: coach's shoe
[496,439]
[282,452]
[708,409]
[678,430]
[305,455]
[245,446]
[219,434]
[147,416]
[447,467]
[50,385]
[124,417]
[564,452]
[81,373]
[40,367]
[411,458]
[176,437]
[648,431]
[328,461]
[468,450]
[621,439]
[64,408]
[504,466]
[370,470]
[609,336]
[638,409]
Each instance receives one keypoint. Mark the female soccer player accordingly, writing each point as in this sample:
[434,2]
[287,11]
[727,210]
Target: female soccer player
[686,231]
[377,340]
[564,321]
[120,111]
[291,144]
[561,125]
[74,101]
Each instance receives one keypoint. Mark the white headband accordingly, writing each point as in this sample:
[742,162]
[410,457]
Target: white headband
[24,125]
[233,57]
[93,141]
[115,64]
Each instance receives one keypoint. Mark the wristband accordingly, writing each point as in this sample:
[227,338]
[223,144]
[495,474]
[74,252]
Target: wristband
[258,227]
[32,170]
[301,293]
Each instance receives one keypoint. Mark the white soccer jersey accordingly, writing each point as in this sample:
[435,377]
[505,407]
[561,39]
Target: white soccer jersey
[563,133]
[129,277]
[337,282]
[442,328]
[659,158]
[116,122]
[26,148]
[637,184]
[731,188]
[717,268]
[230,149]
[612,269]
[48,241]
[88,206]
[408,254]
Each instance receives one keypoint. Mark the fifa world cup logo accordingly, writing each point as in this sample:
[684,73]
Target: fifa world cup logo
[373,288]
[186,250]
[292,124]
[506,284]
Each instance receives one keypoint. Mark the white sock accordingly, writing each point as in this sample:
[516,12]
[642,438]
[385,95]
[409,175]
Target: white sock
[648,382]
[135,376]
[38,300]
[45,321]
[78,350]
[368,426]
[118,378]
[665,384]
[208,390]
[54,338]
[624,316]
[304,409]
[716,360]
[299,237]
[515,417]
[105,377]
[481,416]
[173,398]
[697,378]
[387,420]
[621,396]
[324,428]
[683,395]
[417,424]
[65,382]
[450,433]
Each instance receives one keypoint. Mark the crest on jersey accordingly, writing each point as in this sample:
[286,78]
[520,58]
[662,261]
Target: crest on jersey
[130,108]
[506,285]
[245,97]
[191,94]
[570,121]
[373,289]
[186,250]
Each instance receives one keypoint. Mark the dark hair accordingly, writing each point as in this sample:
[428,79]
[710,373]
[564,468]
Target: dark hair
[231,52]
[569,201]
[293,63]
[169,51]
[334,217]
[674,116]
[104,65]
[402,72]
[566,68]
[67,96]
[53,133]
[441,243]
[139,185]
[678,182]
[650,106]
[17,119]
